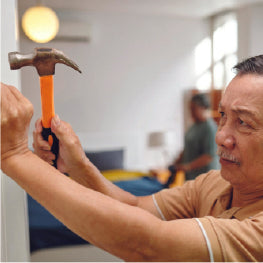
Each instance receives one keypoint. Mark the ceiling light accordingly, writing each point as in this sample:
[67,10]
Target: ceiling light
[40,24]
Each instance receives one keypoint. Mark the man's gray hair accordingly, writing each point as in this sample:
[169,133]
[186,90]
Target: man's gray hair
[253,65]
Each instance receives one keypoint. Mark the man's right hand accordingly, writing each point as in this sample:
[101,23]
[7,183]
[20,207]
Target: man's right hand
[71,155]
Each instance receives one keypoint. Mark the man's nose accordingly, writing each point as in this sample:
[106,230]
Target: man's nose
[225,137]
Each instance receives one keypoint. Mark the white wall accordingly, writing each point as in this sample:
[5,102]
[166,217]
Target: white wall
[134,72]
[14,222]
[256,36]
[250,31]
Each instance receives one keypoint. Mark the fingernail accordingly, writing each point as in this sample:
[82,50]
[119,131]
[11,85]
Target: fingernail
[56,120]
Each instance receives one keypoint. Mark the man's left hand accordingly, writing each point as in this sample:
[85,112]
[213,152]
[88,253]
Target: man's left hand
[16,114]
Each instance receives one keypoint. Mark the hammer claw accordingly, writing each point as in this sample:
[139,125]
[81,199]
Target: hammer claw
[43,59]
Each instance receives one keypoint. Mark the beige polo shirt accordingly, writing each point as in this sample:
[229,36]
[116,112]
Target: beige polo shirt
[234,234]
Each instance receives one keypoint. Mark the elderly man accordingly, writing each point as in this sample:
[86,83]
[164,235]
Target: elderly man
[221,212]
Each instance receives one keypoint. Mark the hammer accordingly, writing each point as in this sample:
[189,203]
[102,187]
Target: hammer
[44,60]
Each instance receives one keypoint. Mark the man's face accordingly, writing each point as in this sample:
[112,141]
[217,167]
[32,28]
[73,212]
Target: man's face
[197,112]
[240,132]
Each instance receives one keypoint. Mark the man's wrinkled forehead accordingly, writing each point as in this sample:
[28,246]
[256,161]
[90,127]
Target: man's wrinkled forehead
[248,85]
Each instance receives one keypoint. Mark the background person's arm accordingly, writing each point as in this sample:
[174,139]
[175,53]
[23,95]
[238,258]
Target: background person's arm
[197,163]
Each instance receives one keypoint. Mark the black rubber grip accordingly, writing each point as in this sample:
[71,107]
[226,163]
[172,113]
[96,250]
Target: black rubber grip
[46,132]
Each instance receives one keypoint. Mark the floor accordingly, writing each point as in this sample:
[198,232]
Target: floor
[78,253]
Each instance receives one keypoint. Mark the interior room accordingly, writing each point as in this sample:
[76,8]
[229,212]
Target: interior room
[140,62]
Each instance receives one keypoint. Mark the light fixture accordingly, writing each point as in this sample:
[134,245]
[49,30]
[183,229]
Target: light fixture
[40,24]
[160,141]
[157,139]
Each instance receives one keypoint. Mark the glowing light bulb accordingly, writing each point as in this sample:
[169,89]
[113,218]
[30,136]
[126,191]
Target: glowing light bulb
[40,24]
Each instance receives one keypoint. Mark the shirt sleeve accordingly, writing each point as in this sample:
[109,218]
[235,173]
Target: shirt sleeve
[234,240]
[179,202]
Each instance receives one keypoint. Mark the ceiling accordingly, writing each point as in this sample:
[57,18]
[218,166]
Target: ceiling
[186,8]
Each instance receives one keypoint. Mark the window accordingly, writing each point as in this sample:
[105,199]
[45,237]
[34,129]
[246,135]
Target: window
[203,64]
[216,55]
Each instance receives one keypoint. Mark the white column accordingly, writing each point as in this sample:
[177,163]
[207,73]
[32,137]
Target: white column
[14,220]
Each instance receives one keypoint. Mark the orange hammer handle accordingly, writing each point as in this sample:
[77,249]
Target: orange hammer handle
[47,100]
[48,112]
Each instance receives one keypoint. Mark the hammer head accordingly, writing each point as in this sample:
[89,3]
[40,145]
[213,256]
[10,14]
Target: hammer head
[43,59]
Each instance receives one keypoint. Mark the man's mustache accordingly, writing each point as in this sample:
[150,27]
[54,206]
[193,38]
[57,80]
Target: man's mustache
[227,156]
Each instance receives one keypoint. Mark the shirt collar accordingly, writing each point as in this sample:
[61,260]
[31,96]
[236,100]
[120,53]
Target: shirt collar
[240,213]
[249,210]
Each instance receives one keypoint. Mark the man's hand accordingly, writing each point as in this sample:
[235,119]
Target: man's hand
[184,167]
[42,147]
[71,155]
[16,114]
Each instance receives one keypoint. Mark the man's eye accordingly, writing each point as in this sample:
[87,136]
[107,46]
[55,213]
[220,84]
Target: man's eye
[222,118]
[222,114]
[243,123]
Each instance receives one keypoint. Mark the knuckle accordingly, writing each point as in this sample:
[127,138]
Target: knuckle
[30,109]
[73,140]
[27,110]
[14,114]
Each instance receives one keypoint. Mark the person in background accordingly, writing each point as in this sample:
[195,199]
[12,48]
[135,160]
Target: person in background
[199,154]
[216,217]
